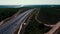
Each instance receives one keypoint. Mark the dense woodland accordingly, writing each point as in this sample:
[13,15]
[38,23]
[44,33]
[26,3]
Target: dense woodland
[7,12]
[46,15]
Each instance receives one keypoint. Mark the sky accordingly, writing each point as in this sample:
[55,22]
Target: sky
[29,2]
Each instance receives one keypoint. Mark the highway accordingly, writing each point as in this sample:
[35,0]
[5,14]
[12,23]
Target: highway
[13,24]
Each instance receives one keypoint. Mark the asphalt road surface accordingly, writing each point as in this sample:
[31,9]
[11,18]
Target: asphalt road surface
[11,26]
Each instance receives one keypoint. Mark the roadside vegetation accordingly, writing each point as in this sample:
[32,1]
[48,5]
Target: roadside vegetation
[46,15]
[7,12]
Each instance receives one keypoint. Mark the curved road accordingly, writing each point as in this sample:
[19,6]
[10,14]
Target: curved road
[10,26]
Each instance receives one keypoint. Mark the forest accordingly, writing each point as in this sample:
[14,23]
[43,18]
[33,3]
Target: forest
[46,15]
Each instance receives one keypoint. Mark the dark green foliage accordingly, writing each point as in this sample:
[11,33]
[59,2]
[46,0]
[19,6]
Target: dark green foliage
[33,28]
[47,15]
[50,15]
[7,12]
[36,28]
